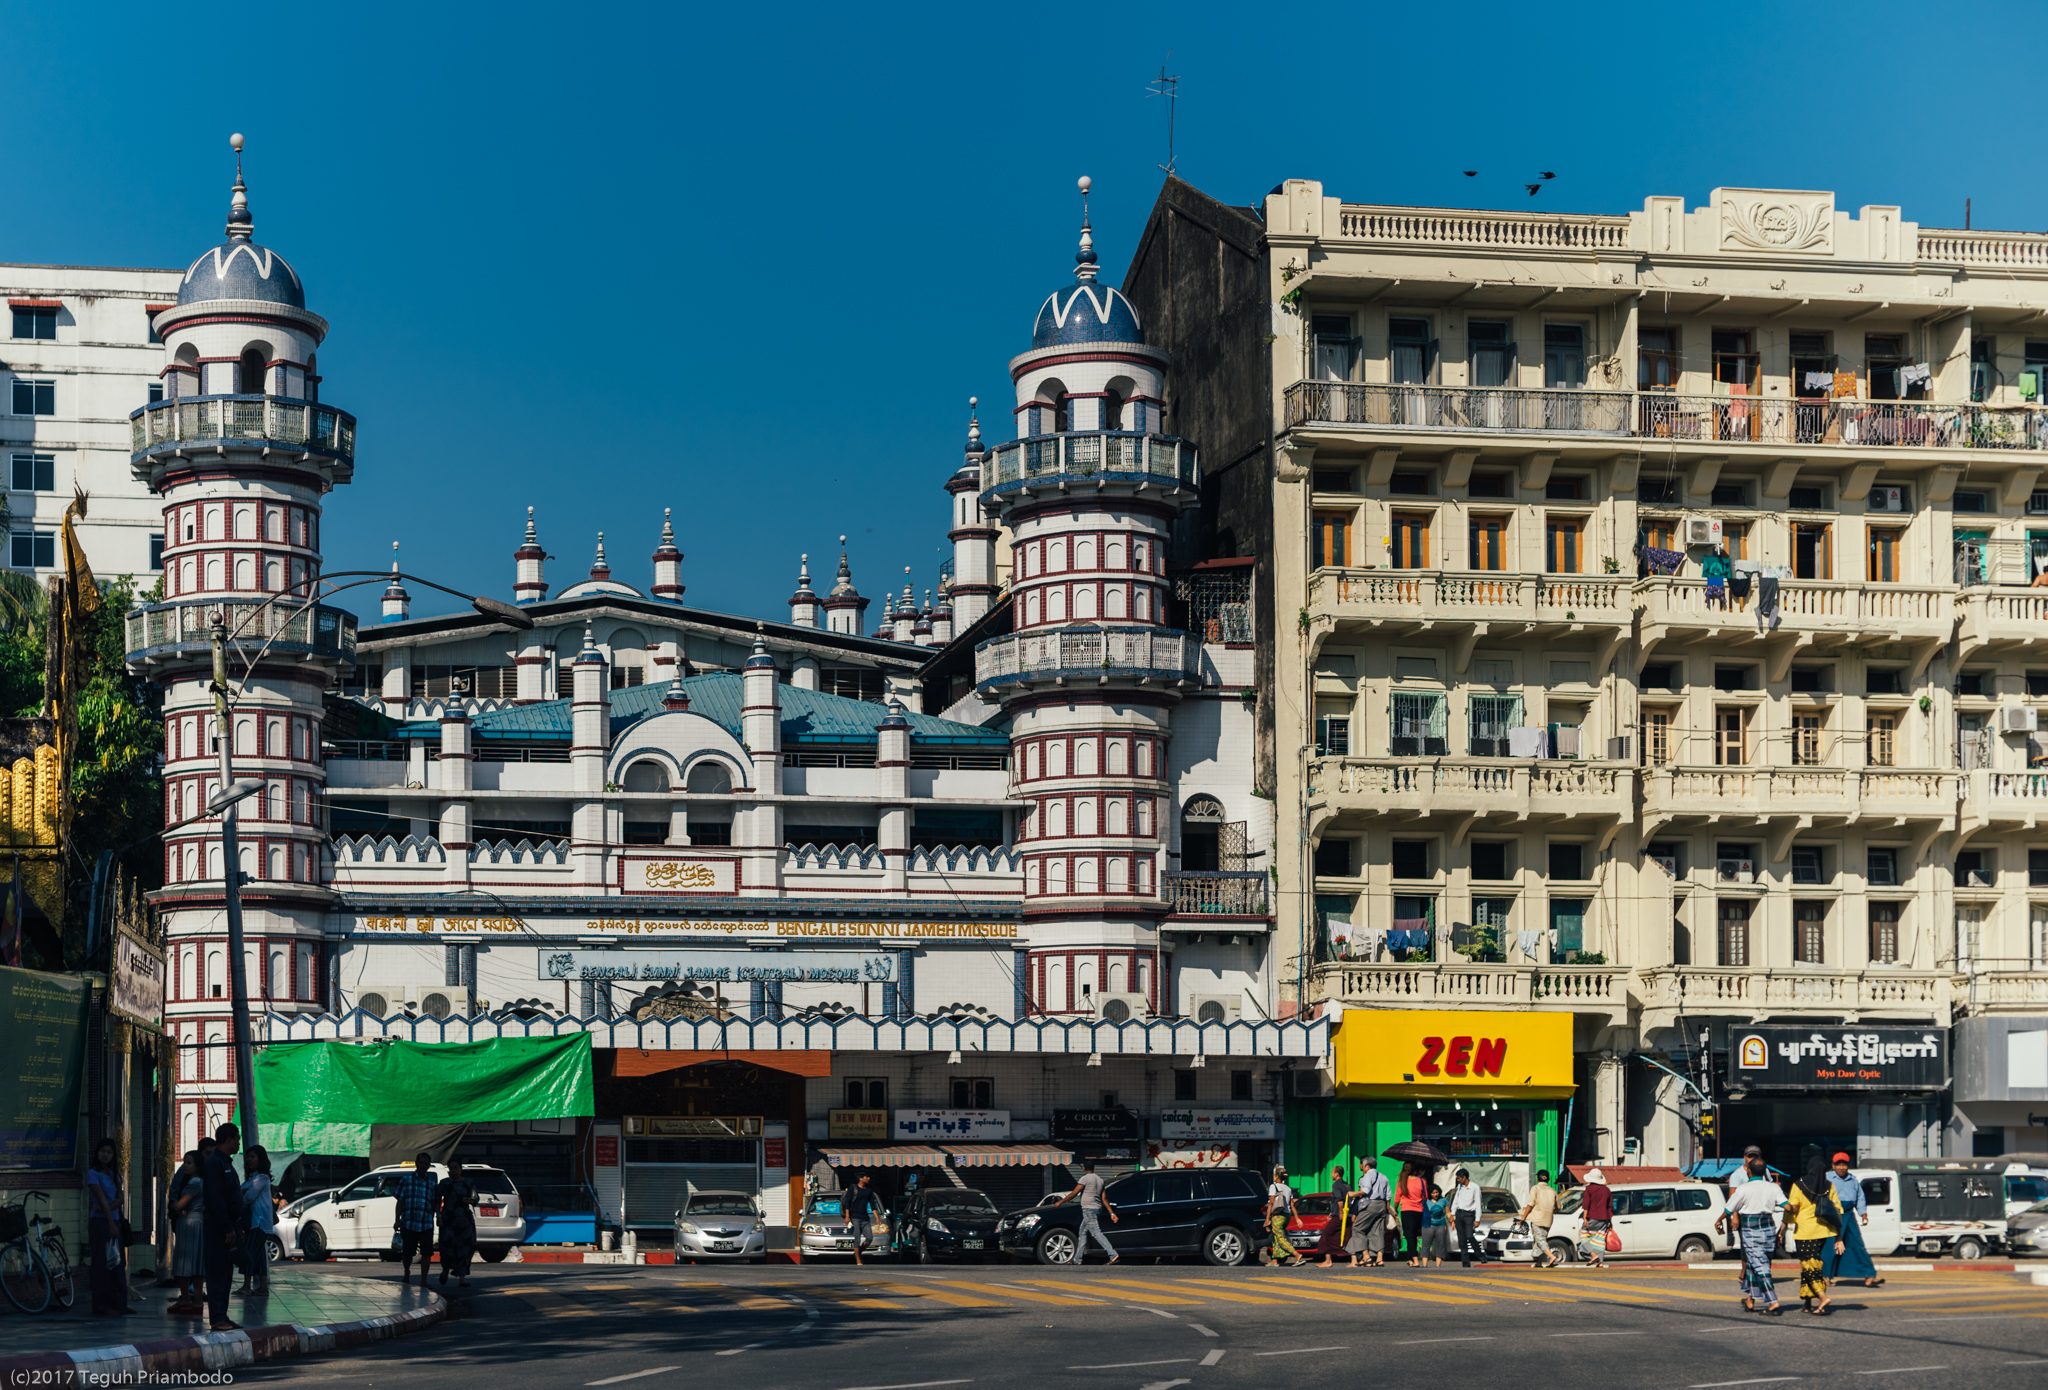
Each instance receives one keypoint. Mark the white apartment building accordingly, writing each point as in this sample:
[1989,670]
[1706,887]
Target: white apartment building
[80,354]
[1659,620]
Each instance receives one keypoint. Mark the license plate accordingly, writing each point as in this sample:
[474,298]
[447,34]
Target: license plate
[490,1211]
[725,1245]
[973,1244]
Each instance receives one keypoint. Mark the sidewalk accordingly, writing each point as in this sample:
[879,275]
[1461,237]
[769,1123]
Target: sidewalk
[309,1311]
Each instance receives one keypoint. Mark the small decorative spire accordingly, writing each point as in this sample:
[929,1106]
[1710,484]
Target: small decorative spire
[240,225]
[974,425]
[599,568]
[843,583]
[668,548]
[532,537]
[394,561]
[1084,259]
[676,698]
[589,637]
[803,571]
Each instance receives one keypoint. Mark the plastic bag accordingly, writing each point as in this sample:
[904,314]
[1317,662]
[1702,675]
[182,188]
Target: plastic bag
[1613,1241]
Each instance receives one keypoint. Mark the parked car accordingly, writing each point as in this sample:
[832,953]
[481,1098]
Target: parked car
[1312,1215]
[2027,1233]
[285,1244]
[825,1228]
[2025,1187]
[721,1226]
[949,1223]
[1217,1213]
[1654,1220]
[1937,1206]
[361,1218]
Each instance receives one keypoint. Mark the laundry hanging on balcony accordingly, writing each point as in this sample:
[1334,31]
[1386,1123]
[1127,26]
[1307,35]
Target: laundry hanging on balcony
[1818,382]
[1526,743]
[1914,374]
[1663,561]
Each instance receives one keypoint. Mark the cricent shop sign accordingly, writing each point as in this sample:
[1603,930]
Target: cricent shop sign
[722,967]
[1837,1059]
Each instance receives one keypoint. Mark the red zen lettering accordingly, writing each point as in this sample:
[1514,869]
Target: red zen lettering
[1432,1048]
[1490,1056]
[1460,1058]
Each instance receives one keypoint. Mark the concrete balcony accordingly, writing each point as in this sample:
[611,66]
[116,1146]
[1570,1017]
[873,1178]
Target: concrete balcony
[1742,992]
[1223,893]
[1589,989]
[1823,793]
[1121,462]
[279,427]
[2001,617]
[1492,603]
[1559,789]
[1086,656]
[1810,610]
[2017,800]
[178,633]
[1996,990]
[1714,421]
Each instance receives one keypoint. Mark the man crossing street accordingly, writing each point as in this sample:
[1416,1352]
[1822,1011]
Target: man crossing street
[1465,1212]
[416,1218]
[1088,1191]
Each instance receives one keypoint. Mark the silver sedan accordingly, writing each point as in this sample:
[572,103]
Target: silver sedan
[721,1226]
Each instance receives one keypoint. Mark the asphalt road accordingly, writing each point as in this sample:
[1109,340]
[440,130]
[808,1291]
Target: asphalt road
[1138,1327]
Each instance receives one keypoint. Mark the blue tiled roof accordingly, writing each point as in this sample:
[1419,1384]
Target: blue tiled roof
[808,716]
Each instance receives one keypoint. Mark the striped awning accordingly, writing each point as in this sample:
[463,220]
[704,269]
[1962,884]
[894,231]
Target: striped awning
[883,1156]
[1007,1155]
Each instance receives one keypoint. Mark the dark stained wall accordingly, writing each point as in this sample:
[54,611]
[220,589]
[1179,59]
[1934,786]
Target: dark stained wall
[1199,281]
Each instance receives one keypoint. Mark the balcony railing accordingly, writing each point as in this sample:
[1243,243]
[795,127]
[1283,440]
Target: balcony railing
[1666,415]
[1804,605]
[2017,797]
[1509,786]
[173,629]
[1488,230]
[1425,596]
[1075,654]
[2015,249]
[1480,986]
[2001,988]
[1223,893]
[273,422]
[1127,456]
[1764,791]
[1695,989]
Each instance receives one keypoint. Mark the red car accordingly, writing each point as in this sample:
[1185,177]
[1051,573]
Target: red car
[1311,1214]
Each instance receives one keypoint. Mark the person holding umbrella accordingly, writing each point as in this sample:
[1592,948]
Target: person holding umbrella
[1411,1190]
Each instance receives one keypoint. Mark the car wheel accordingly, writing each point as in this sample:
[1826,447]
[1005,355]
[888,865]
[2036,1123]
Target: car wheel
[494,1253]
[1226,1245]
[1057,1247]
[312,1243]
[274,1247]
[1564,1251]
[1695,1248]
[1969,1248]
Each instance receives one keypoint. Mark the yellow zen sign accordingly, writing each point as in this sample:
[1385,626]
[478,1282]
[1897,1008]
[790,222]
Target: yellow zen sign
[1394,1052]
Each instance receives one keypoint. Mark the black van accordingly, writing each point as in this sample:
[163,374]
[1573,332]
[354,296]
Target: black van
[1217,1213]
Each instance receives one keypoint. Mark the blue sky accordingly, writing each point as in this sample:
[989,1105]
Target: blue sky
[749,262]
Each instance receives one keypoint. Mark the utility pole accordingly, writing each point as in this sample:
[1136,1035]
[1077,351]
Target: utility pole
[231,888]
[1167,86]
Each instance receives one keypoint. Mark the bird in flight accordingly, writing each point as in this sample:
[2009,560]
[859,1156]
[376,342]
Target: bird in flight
[1534,188]
[1548,174]
[1471,173]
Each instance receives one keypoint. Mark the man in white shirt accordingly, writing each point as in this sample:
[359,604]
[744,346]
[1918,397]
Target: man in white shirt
[1753,1209]
[1465,1212]
[1280,1206]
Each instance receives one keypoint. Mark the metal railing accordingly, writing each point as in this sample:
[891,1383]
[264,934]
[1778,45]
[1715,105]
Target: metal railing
[268,420]
[367,750]
[1143,653]
[1091,454]
[189,623]
[1226,892]
[1667,415]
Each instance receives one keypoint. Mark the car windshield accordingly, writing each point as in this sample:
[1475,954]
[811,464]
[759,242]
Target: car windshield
[720,1204]
[298,1207]
[1315,1204]
[2038,1209]
[827,1206]
[976,1202]
[489,1180]
[1569,1202]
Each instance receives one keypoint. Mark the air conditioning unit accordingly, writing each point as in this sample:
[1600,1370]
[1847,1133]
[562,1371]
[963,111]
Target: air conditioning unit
[1309,1083]
[2018,719]
[438,1003]
[1887,499]
[1215,1008]
[1618,750]
[1735,870]
[409,1001]
[1669,863]
[1122,1008]
[1702,530]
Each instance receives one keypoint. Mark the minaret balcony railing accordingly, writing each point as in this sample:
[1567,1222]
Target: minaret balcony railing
[183,631]
[206,423]
[1142,655]
[1055,460]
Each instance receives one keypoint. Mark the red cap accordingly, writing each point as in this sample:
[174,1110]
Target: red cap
[1841,1158]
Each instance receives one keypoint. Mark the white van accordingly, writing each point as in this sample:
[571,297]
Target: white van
[1655,1220]
[1953,1207]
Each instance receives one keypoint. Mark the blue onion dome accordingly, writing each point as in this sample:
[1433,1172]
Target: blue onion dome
[1086,312]
[238,268]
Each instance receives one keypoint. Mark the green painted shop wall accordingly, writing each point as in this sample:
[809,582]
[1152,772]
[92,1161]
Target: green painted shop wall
[1323,1133]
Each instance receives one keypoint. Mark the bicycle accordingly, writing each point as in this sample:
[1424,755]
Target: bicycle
[35,1269]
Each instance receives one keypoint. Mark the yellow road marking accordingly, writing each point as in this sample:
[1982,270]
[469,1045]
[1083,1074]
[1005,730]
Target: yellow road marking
[1358,1297]
[1593,1281]
[1068,1300]
[1227,1297]
[1396,1287]
[851,1298]
[1546,1296]
[1093,1286]
[942,1294]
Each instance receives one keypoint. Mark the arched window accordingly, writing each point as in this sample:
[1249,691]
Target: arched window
[312,376]
[647,776]
[708,775]
[1201,832]
[1055,406]
[185,381]
[1114,397]
[251,370]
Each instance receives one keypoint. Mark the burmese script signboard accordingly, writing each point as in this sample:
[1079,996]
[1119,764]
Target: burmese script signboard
[669,928]
[42,1036]
[722,967]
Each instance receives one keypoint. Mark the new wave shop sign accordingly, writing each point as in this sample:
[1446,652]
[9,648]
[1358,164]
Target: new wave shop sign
[722,967]
[1207,1136]
[1837,1059]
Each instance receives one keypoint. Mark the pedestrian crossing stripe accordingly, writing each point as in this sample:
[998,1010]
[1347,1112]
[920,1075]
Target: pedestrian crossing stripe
[1523,1291]
[942,1293]
[1359,1298]
[1069,1299]
[852,1297]
[1396,1288]
[1101,1290]
[1234,1294]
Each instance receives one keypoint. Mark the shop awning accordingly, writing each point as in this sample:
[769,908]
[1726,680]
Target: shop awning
[1008,1155]
[883,1156]
[1718,1169]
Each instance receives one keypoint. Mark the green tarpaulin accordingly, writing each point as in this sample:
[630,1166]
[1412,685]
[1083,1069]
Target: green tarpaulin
[324,1097]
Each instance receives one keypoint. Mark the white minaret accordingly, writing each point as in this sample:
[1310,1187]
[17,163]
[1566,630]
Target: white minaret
[529,583]
[803,604]
[1090,673]
[242,454]
[974,538]
[668,563]
[845,609]
[397,604]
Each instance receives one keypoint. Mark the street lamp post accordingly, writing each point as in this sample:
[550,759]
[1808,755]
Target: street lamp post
[232,794]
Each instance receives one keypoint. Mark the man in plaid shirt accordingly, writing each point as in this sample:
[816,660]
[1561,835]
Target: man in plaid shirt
[415,1195]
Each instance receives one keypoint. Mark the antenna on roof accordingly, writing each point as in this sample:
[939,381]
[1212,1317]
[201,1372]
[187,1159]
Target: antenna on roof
[1168,86]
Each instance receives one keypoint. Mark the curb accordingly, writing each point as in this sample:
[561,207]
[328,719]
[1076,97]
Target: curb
[613,1257]
[207,1351]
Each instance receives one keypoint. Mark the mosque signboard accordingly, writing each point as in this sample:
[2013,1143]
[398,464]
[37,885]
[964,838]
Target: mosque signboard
[721,967]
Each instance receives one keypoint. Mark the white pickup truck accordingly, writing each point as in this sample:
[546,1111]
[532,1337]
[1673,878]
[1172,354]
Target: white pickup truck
[1935,1206]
